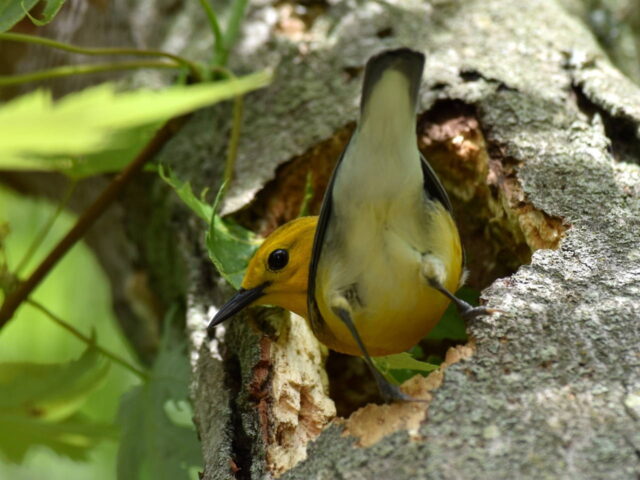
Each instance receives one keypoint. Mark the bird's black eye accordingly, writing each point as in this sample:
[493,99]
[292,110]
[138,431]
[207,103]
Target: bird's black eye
[278,259]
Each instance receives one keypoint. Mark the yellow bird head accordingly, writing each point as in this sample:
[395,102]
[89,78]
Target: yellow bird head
[278,273]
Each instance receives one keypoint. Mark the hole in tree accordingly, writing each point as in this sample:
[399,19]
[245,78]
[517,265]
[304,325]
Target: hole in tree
[451,138]
[476,176]
[621,131]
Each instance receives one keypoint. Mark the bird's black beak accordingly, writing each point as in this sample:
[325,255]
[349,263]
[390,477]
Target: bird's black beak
[242,299]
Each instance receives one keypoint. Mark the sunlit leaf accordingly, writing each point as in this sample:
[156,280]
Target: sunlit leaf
[156,443]
[50,391]
[12,11]
[72,438]
[127,144]
[38,133]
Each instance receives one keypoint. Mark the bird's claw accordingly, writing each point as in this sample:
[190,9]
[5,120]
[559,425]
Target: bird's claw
[471,313]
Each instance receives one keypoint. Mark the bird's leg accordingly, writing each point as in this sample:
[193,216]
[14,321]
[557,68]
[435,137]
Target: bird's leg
[434,272]
[388,391]
[467,311]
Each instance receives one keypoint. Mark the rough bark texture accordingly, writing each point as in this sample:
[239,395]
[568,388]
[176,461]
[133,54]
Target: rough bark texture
[536,136]
[553,388]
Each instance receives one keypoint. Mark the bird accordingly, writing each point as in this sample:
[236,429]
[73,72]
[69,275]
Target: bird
[374,273]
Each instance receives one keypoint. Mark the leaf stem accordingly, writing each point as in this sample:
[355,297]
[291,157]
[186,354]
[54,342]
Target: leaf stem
[18,37]
[144,376]
[39,238]
[215,29]
[233,28]
[68,70]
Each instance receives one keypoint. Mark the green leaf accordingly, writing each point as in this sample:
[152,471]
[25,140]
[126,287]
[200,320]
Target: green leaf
[232,30]
[50,391]
[230,246]
[127,144]
[12,11]
[308,195]
[73,437]
[402,366]
[50,10]
[404,361]
[156,443]
[39,404]
[183,189]
[40,134]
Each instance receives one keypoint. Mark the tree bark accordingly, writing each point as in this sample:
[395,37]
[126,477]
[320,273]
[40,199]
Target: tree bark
[535,134]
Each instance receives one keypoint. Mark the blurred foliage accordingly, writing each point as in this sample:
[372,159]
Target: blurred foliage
[158,438]
[39,405]
[72,437]
[32,338]
[50,391]
[12,11]
[87,122]
[62,406]
[51,8]
[47,385]
[401,366]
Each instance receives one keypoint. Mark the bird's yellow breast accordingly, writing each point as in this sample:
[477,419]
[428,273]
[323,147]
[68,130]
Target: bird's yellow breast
[390,300]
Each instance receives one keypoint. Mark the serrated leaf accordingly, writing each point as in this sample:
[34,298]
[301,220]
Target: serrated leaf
[72,438]
[229,245]
[230,248]
[50,391]
[154,445]
[183,189]
[38,133]
[50,10]
[12,11]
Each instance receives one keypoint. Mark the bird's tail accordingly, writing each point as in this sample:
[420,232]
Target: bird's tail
[408,63]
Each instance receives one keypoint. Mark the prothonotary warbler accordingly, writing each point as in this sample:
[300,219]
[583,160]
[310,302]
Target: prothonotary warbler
[376,270]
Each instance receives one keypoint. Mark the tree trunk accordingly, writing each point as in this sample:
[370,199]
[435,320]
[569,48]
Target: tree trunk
[535,135]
